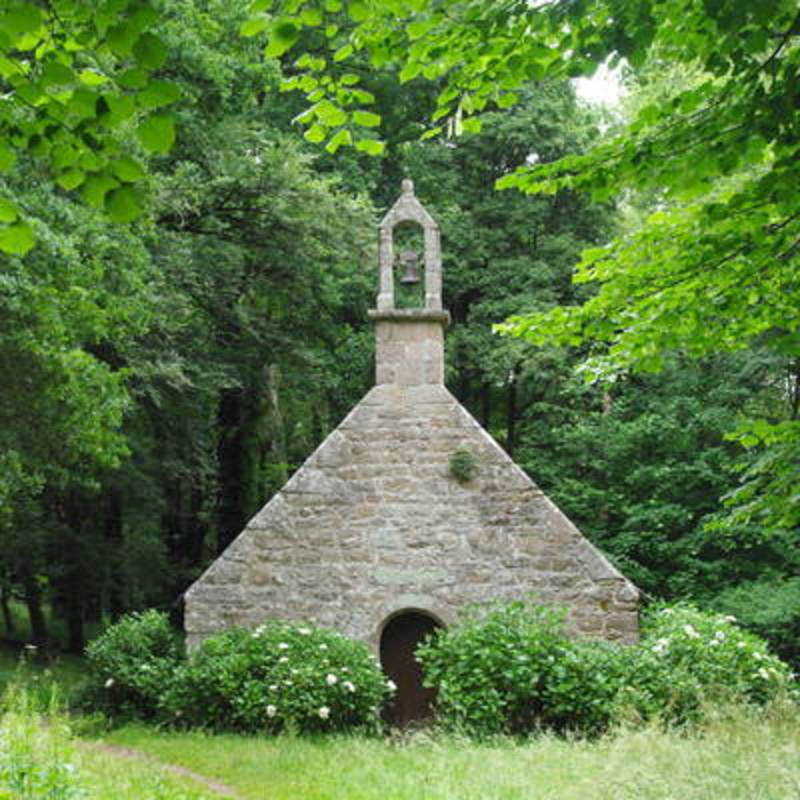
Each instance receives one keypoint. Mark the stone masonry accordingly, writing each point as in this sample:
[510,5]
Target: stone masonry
[375,523]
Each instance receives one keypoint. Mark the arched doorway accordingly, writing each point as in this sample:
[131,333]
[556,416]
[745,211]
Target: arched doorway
[399,639]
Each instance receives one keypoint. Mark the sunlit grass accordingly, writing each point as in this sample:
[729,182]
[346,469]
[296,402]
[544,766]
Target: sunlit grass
[40,759]
[740,757]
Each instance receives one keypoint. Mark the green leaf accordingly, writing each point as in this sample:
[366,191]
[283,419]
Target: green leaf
[366,118]
[122,205]
[8,211]
[311,16]
[316,133]
[332,6]
[254,26]
[91,77]
[343,52]
[133,78]
[357,11]
[21,19]
[17,239]
[55,74]
[330,114]
[349,79]
[149,51]
[342,137]
[96,187]
[7,157]
[122,37]
[71,179]
[372,147]
[127,169]
[158,93]
[157,133]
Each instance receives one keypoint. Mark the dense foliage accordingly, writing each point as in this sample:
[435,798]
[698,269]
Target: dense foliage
[130,663]
[279,676]
[513,669]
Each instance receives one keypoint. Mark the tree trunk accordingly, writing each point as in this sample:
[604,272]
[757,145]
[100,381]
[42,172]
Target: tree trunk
[230,519]
[113,536]
[486,404]
[33,601]
[511,413]
[8,619]
[279,452]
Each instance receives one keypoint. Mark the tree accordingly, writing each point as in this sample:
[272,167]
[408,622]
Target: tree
[715,268]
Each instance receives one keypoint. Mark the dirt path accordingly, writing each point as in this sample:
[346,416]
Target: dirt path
[218,788]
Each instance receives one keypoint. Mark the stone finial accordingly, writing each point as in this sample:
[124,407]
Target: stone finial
[408,209]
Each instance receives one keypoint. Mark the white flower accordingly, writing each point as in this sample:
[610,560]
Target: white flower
[271,711]
[323,646]
[720,636]
[660,646]
[331,679]
[283,660]
[283,646]
[344,669]
[109,683]
[273,687]
[30,647]
[304,631]
[666,611]
[287,683]
[324,712]
[757,656]
[729,618]
[349,686]
[763,673]
[691,632]
[740,645]
[391,684]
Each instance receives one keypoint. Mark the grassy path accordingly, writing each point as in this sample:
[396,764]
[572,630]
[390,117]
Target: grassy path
[119,752]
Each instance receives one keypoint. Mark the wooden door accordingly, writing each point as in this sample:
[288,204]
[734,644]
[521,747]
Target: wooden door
[412,701]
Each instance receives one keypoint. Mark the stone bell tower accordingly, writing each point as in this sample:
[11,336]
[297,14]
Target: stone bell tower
[409,342]
[378,536]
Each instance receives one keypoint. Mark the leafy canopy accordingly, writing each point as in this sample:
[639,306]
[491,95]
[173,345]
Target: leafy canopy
[77,81]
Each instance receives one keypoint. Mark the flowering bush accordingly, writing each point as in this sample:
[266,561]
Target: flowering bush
[280,675]
[130,663]
[688,657]
[512,668]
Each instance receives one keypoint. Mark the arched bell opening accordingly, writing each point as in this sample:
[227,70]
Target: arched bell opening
[401,634]
[409,265]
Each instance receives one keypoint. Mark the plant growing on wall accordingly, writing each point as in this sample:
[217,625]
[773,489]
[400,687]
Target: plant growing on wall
[463,465]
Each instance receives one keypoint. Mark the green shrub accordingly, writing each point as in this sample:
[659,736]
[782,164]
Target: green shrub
[512,669]
[688,658]
[130,664]
[278,676]
[771,610]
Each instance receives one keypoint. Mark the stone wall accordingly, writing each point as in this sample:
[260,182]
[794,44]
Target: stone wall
[375,523]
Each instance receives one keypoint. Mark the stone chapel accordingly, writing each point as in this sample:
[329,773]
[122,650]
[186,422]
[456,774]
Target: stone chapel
[380,537]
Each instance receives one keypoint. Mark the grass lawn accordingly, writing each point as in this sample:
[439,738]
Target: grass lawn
[740,758]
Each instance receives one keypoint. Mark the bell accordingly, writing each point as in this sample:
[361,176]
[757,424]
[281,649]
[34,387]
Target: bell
[408,258]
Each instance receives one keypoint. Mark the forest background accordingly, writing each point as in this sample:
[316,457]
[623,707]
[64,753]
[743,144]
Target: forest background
[183,318]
